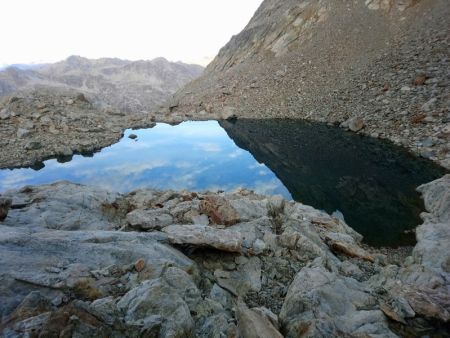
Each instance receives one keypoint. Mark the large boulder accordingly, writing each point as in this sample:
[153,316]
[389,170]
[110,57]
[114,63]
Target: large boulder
[79,262]
[320,303]
[156,303]
[61,205]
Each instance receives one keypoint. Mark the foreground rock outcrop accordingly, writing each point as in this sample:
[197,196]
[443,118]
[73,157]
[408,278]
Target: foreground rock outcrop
[81,261]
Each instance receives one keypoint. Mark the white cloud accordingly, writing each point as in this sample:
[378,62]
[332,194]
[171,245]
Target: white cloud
[15,178]
[50,30]
[209,147]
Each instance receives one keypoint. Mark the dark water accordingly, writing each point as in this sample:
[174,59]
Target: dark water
[370,181]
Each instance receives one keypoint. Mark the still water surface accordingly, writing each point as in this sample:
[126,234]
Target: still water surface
[371,182]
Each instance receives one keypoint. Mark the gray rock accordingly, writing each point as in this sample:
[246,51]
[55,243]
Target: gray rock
[429,105]
[33,145]
[221,296]
[246,278]
[22,133]
[149,219]
[155,298]
[200,220]
[436,196]
[62,205]
[4,114]
[327,305]
[92,250]
[355,124]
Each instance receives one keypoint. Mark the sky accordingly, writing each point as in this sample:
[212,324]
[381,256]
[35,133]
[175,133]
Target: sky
[191,31]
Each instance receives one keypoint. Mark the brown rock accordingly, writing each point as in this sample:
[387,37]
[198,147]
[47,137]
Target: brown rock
[418,118]
[429,303]
[356,124]
[420,80]
[219,210]
[5,204]
[139,265]
[391,314]
[204,236]
[252,324]
[82,98]
[351,251]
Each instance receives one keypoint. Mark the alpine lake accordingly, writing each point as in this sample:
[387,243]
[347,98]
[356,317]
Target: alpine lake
[369,182]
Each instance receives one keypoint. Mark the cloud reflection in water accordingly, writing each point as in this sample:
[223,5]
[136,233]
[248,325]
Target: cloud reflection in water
[192,155]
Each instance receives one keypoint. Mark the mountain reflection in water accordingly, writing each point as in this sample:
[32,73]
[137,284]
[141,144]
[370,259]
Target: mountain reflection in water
[372,182]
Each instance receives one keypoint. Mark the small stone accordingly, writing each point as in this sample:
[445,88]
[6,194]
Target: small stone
[240,260]
[33,145]
[53,269]
[139,265]
[429,105]
[5,204]
[427,142]
[132,136]
[80,97]
[229,113]
[405,89]
[420,80]
[355,124]
[41,105]
[22,132]
[5,114]
[52,130]
[259,246]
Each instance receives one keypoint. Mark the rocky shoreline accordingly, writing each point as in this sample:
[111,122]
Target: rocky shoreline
[82,261]
[45,123]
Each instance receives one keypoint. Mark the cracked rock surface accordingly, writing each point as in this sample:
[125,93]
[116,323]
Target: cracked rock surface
[74,262]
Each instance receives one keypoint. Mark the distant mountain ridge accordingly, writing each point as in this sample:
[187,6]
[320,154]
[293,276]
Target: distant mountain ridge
[132,86]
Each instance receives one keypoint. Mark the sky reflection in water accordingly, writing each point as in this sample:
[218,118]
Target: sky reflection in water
[193,155]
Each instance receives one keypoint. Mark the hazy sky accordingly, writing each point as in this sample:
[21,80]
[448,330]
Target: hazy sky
[36,31]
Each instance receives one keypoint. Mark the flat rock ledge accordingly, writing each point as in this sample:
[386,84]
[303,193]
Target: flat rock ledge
[84,262]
